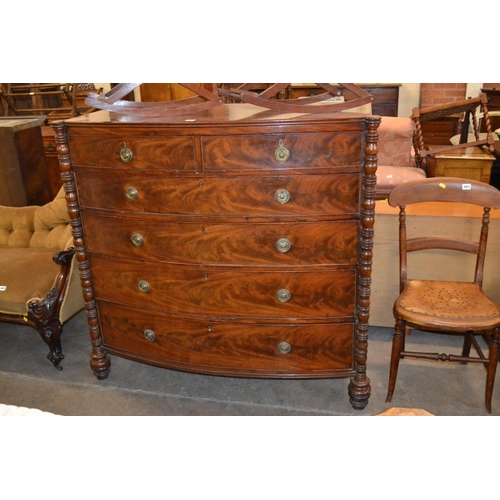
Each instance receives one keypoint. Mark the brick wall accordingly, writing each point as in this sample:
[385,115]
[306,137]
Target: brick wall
[433,94]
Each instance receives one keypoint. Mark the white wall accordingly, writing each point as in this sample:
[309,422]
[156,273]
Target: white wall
[409,98]
[473,89]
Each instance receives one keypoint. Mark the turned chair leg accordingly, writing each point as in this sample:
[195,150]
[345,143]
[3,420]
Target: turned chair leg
[492,368]
[397,347]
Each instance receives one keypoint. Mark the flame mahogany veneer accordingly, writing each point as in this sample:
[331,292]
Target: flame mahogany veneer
[234,242]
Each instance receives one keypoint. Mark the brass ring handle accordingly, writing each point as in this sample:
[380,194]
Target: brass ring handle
[150,335]
[137,239]
[281,154]
[283,245]
[131,193]
[283,295]
[125,154]
[144,286]
[284,347]
[282,196]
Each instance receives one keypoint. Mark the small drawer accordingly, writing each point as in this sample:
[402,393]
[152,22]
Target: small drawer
[205,346]
[246,196]
[49,141]
[50,147]
[224,291]
[287,151]
[247,244]
[156,153]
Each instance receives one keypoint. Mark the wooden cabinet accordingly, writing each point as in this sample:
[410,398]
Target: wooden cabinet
[385,102]
[493,94]
[386,98]
[24,178]
[231,242]
[467,163]
[440,131]
[51,159]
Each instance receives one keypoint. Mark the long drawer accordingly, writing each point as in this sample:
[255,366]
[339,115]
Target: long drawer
[206,242]
[271,196]
[228,291]
[227,347]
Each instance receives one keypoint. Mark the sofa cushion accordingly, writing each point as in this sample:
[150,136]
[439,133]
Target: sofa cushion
[26,273]
[388,177]
[39,227]
[16,225]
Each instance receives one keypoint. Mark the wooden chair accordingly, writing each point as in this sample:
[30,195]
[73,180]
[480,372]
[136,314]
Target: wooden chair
[445,306]
[465,110]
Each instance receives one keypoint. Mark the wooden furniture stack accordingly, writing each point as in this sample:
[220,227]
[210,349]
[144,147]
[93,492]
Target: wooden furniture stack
[470,158]
[385,102]
[56,101]
[235,241]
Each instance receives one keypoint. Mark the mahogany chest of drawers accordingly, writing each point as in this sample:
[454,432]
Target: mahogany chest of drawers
[232,242]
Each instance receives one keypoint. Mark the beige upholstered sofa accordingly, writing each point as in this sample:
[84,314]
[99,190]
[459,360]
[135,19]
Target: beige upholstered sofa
[396,158]
[39,283]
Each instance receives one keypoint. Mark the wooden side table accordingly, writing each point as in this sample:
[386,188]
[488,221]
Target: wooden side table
[468,163]
[23,172]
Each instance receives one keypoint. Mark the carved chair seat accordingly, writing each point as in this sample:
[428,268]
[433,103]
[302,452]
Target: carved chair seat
[39,284]
[452,307]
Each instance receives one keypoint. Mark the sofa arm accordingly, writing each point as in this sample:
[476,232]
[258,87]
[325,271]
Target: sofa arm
[51,221]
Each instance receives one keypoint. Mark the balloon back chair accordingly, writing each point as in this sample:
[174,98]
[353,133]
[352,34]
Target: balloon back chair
[445,306]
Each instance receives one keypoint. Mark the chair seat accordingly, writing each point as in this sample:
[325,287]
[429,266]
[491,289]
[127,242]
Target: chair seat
[26,273]
[458,306]
[388,177]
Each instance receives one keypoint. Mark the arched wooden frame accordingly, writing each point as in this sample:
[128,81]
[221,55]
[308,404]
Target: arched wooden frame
[112,100]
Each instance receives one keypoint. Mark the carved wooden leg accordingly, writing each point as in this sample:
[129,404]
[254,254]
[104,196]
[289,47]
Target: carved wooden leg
[43,314]
[397,347]
[51,331]
[99,359]
[492,368]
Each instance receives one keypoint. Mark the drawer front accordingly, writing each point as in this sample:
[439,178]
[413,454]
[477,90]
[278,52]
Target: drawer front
[307,150]
[204,242]
[227,347]
[161,153]
[229,292]
[300,195]
[50,146]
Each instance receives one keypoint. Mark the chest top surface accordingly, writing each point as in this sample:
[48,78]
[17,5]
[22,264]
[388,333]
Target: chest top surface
[227,114]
